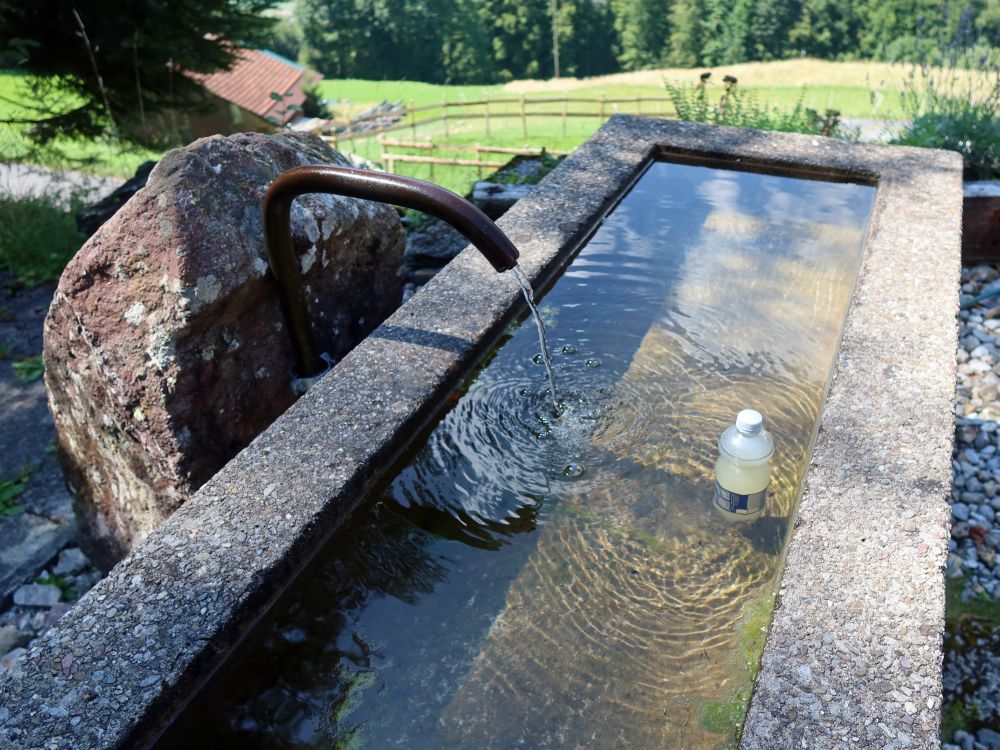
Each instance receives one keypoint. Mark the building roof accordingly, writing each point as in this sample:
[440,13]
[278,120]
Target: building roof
[255,75]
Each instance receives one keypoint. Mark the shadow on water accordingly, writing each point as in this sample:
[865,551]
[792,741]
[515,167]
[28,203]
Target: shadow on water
[528,581]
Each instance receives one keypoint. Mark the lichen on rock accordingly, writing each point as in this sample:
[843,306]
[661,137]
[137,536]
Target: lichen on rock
[179,272]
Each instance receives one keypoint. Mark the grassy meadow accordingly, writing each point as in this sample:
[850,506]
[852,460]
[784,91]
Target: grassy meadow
[856,89]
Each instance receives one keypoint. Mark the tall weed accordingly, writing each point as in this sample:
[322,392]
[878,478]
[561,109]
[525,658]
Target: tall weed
[742,109]
[38,236]
[948,110]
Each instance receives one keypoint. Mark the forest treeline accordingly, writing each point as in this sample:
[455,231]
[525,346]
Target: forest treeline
[486,41]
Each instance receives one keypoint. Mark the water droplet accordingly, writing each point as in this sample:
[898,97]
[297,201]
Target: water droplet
[569,349]
[538,359]
[573,470]
[523,392]
[593,362]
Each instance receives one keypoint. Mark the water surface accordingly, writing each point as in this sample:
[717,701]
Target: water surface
[536,582]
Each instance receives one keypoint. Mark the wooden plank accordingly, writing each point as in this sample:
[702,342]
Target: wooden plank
[527,151]
[415,159]
[428,144]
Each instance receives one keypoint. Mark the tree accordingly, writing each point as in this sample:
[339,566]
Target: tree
[464,46]
[115,64]
[586,38]
[684,48]
[772,20]
[826,29]
[642,32]
[520,39]
[727,31]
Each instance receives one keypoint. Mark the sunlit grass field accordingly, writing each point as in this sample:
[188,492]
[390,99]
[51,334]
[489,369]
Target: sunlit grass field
[844,86]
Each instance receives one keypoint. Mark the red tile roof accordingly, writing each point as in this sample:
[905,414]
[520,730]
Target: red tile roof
[255,75]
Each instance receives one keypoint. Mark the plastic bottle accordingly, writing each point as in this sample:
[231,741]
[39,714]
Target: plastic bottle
[743,470]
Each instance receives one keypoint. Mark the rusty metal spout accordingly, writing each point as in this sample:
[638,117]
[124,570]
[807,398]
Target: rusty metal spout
[360,183]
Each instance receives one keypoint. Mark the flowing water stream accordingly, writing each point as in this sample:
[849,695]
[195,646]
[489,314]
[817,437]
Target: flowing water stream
[529,297]
[528,581]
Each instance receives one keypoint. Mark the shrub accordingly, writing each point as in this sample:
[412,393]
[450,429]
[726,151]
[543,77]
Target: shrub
[38,236]
[742,109]
[955,112]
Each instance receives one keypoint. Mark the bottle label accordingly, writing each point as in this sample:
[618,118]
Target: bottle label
[742,505]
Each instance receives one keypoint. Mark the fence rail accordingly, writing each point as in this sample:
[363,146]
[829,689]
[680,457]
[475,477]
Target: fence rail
[523,107]
[475,159]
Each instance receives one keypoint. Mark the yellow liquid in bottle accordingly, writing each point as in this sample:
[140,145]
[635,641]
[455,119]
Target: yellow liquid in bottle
[742,479]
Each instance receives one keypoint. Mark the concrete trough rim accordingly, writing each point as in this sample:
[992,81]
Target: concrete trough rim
[125,660]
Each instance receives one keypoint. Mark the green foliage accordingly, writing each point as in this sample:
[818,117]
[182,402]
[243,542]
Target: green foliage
[11,490]
[946,111]
[827,29]
[37,237]
[684,49]
[772,22]
[511,177]
[726,31]
[315,105]
[642,32]
[465,41]
[103,67]
[426,40]
[5,350]
[67,587]
[29,369]
[587,41]
[520,38]
[980,606]
[956,715]
[286,39]
[742,109]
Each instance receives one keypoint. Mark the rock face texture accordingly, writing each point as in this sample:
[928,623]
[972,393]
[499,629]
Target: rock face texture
[165,351]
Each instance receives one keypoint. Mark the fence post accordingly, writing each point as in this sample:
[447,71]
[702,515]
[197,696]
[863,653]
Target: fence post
[479,159]
[413,119]
[390,163]
[487,108]
[524,120]
[350,135]
[444,107]
[564,101]
[430,142]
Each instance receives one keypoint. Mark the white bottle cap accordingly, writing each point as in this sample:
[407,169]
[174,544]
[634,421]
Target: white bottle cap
[749,422]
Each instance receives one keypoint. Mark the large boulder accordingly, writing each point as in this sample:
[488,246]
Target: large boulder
[165,350]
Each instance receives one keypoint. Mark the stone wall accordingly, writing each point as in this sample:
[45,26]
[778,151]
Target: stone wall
[165,351]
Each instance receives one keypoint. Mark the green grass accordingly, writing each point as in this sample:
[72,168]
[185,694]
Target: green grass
[820,85]
[66,586]
[979,607]
[11,489]
[37,237]
[549,131]
[29,369]
[95,157]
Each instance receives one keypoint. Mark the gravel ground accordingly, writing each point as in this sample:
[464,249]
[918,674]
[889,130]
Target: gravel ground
[972,655]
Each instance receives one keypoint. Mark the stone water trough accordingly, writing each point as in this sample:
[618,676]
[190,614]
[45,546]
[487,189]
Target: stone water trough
[853,654]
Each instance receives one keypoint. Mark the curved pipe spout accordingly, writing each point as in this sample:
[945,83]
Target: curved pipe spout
[360,183]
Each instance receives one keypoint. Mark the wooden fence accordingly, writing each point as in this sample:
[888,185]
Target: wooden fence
[390,158]
[490,110]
